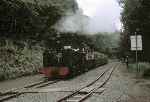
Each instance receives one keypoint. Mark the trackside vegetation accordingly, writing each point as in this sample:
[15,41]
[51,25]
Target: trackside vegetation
[26,31]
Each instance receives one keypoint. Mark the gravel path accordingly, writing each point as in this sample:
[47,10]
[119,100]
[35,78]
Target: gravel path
[69,85]
[122,87]
[19,82]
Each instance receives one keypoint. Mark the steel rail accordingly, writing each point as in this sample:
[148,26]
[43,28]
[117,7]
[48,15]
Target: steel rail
[96,88]
[77,93]
[48,83]
[14,92]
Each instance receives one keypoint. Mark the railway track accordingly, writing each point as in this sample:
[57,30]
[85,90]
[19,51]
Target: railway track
[15,92]
[76,96]
[80,95]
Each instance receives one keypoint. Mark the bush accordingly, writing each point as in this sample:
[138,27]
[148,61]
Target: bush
[101,59]
[144,68]
[16,61]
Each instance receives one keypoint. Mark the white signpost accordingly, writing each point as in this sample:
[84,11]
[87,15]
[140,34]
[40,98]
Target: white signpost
[136,45]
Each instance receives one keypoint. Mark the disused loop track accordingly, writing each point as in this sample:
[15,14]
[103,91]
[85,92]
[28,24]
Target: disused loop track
[15,92]
[79,95]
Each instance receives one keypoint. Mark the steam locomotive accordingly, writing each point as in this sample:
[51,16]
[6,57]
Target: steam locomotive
[68,62]
[68,58]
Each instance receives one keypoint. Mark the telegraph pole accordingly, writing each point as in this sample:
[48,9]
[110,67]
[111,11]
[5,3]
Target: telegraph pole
[136,53]
[136,45]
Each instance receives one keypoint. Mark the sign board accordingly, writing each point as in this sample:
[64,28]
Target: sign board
[136,42]
[67,47]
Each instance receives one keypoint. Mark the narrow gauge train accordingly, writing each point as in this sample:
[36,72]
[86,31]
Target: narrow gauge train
[67,62]
[69,55]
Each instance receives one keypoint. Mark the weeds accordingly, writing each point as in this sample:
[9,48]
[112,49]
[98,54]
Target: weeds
[143,68]
[16,61]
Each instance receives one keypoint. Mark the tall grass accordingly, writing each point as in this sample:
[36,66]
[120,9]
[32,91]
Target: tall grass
[19,59]
[143,68]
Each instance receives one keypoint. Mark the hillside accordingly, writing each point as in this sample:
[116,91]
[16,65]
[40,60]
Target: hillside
[25,27]
[32,18]
[65,5]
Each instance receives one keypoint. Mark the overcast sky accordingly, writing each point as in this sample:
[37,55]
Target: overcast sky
[104,14]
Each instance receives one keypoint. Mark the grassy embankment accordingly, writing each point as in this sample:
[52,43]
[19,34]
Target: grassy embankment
[19,59]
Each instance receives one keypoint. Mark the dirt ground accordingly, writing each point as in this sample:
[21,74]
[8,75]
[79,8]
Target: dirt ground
[139,88]
[122,87]
[19,82]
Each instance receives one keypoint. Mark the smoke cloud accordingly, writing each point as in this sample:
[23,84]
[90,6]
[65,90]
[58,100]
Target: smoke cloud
[93,17]
[73,22]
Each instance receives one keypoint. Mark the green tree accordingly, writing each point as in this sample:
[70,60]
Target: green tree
[31,19]
[136,19]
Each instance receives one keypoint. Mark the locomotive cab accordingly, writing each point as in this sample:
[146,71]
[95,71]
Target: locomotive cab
[61,63]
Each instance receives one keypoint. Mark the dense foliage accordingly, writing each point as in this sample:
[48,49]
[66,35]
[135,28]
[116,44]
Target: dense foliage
[25,26]
[17,58]
[136,19]
[26,30]
[20,20]
[107,43]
